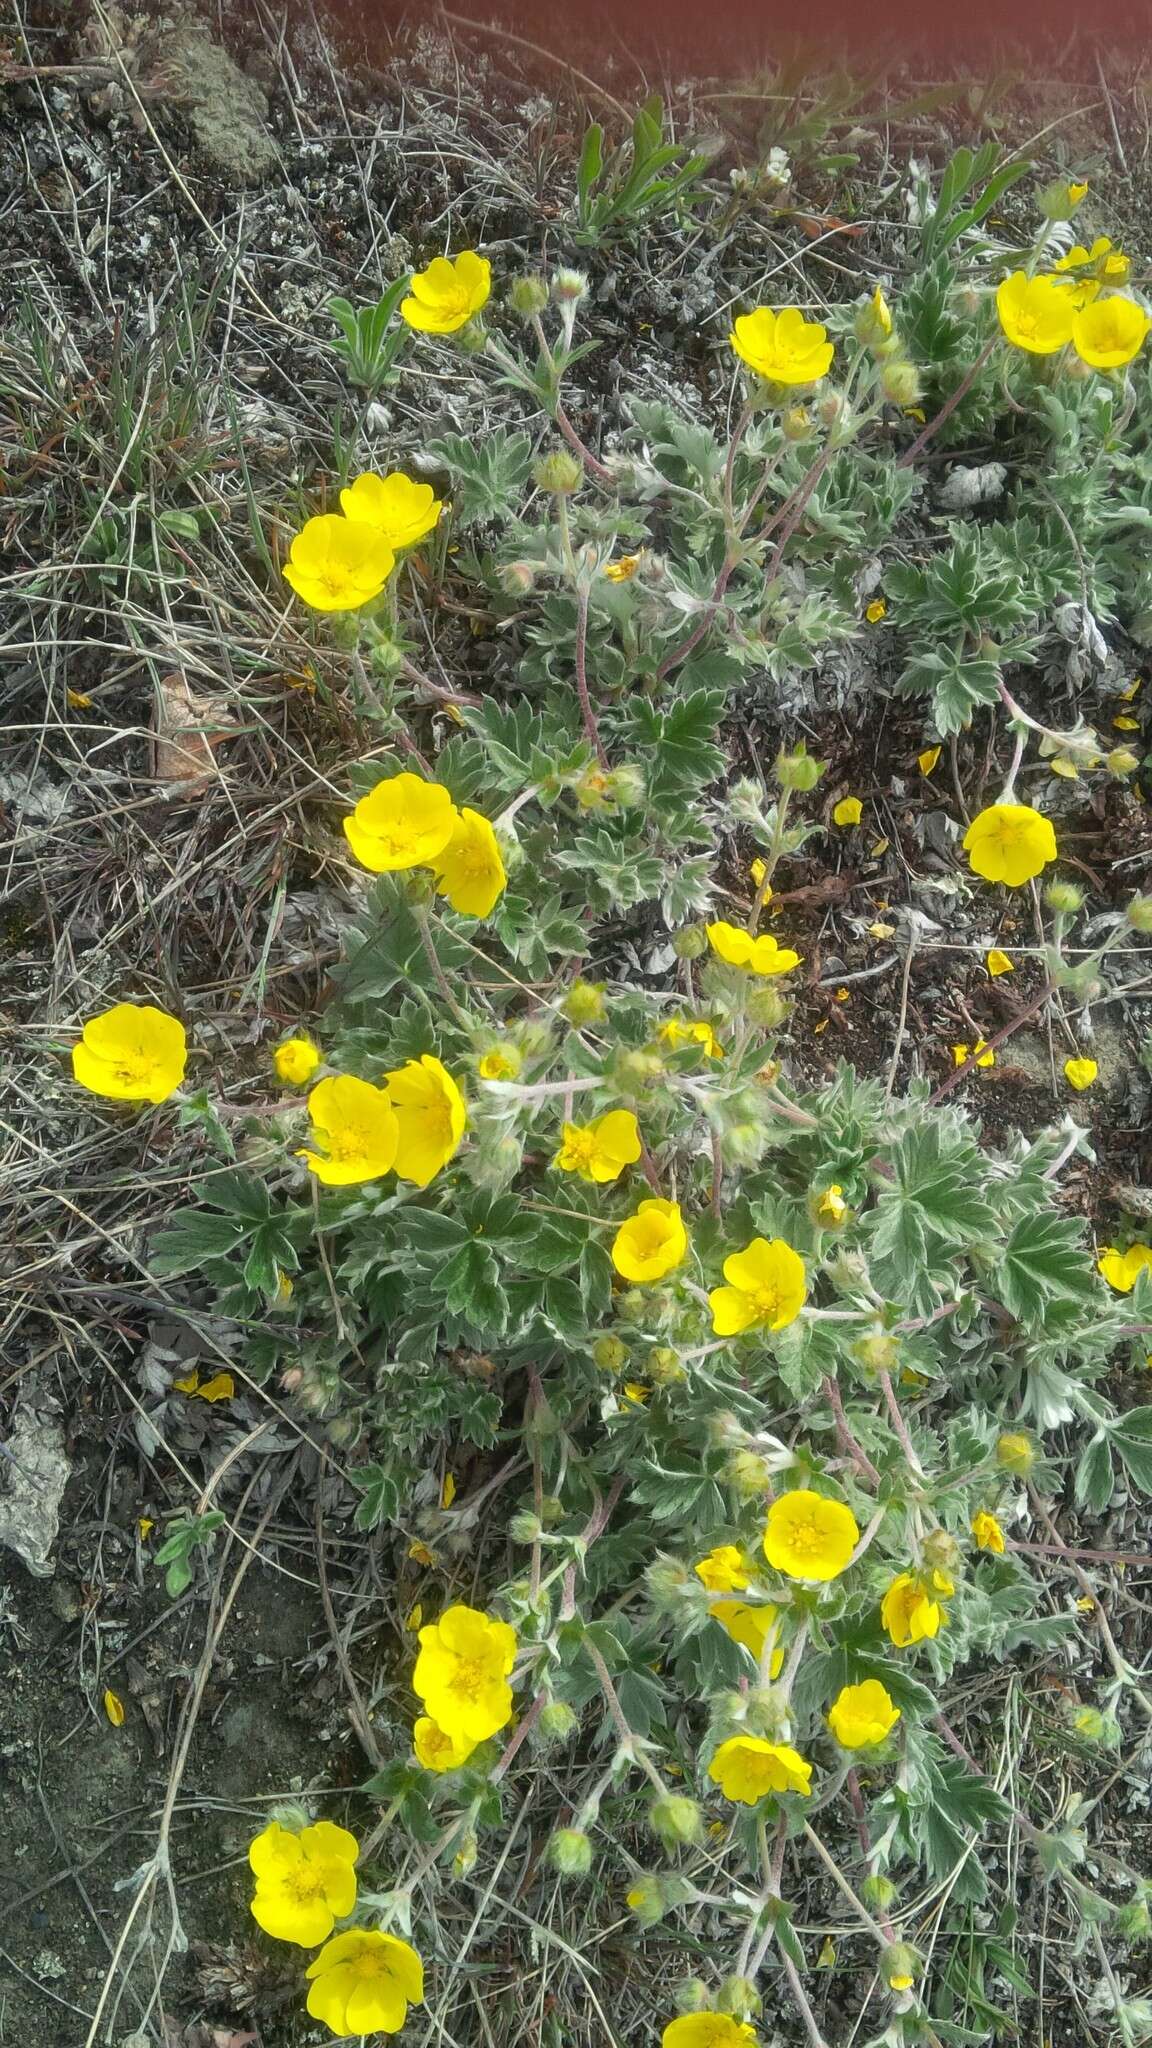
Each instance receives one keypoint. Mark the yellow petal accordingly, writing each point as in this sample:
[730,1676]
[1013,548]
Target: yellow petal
[927,760]
[114,1708]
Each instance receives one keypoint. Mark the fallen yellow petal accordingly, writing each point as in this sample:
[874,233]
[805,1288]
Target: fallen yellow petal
[998,963]
[1123,723]
[848,811]
[220,1387]
[447,1491]
[927,760]
[114,1708]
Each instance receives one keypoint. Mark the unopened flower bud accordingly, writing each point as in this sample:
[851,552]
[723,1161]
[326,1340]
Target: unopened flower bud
[676,1820]
[626,786]
[556,1724]
[634,1072]
[745,1144]
[525,1527]
[766,1712]
[690,942]
[558,472]
[1015,1453]
[692,1995]
[748,1474]
[739,1997]
[465,1857]
[872,322]
[667,1581]
[798,769]
[584,1003]
[1139,913]
[795,423]
[495,1160]
[664,1367]
[1097,1730]
[831,407]
[570,285]
[901,383]
[471,340]
[570,1852]
[517,578]
[766,1007]
[1064,897]
[386,658]
[899,1966]
[609,1354]
[877,1352]
[646,1898]
[1133,1921]
[527,296]
[878,1891]
[1057,200]
[551,1510]
[942,1551]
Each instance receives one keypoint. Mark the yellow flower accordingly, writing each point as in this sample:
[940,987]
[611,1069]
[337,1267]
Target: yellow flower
[296,1061]
[1009,843]
[636,1392]
[436,1750]
[680,1031]
[862,1715]
[354,1131]
[909,1611]
[499,1063]
[220,1387]
[783,347]
[987,1532]
[848,811]
[926,761]
[1036,313]
[998,963]
[462,1673]
[1103,263]
[876,611]
[430,1117]
[809,1536]
[1080,1073]
[1109,332]
[131,1053]
[336,566]
[708,2030]
[404,822]
[651,1243]
[980,1052]
[1122,1269]
[448,294]
[469,869]
[1076,193]
[831,1207]
[767,1288]
[723,1570]
[600,1151]
[304,1882]
[397,509]
[624,569]
[750,1626]
[363,1983]
[746,1767]
[737,948]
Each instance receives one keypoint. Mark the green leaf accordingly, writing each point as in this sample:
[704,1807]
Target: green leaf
[472,1289]
[1043,1264]
[381,1502]
[1095,1475]
[1132,1438]
[191,1239]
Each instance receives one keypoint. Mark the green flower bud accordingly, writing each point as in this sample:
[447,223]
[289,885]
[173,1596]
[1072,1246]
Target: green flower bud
[1139,913]
[878,1891]
[626,787]
[535,1039]
[420,888]
[556,1724]
[570,286]
[748,1474]
[647,1899]
[570,1852]
[1015,1453]
[495,1160]
[739,1997]
[745,1144]
[473,339]
[517,578]
[1064,897]
[1094,1729]
[559,473]
[692,1995]
[942,1551]
[799,769]
[901,383]
[1133,1921]
[551,1510]
[676,1820]
[584,1003]
[899,1966]
[668,1581]
[766,1007]
[525,1527]
[465,1857]
[1059,200]
[527,296]
[766,1712]
[690,942]
[877,1352]
[386,658]
[634,1072]
[664,1368]
[609,1354]
[291,1816]
[795,423]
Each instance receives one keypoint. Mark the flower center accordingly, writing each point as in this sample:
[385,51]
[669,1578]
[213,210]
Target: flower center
[804,1538]
[470,1677]
[304,1885]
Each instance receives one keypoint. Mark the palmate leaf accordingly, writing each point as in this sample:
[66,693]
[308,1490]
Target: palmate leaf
[934,1197]
[677,741]
[1044,1265]
[1132,1439]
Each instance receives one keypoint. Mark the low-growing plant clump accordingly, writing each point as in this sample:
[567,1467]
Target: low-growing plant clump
[780,1374]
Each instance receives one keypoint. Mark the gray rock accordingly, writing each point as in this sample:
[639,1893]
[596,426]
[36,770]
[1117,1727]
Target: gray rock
[34,1470]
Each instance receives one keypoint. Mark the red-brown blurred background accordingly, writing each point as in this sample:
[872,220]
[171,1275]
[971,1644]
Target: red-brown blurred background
[736,37]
